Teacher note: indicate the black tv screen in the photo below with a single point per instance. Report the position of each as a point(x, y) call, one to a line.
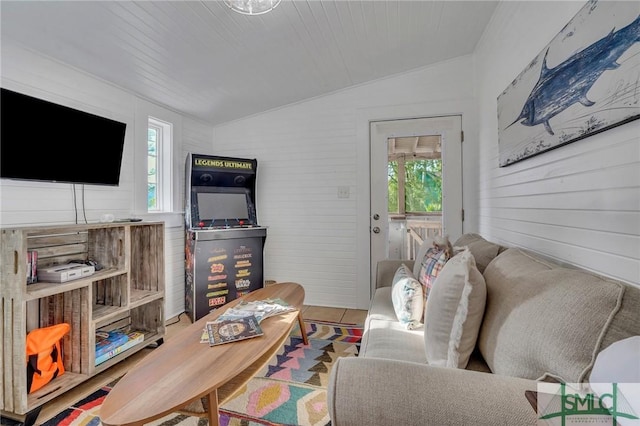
point(44, 141)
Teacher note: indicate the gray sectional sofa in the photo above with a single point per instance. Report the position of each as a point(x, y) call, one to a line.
point(540, 320)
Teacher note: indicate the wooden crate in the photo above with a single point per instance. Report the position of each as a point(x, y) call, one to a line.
point(118, 293)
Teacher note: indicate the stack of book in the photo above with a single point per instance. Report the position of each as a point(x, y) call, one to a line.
point(111, 343)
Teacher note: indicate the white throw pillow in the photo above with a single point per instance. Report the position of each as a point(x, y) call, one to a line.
point(454, 312)
point(407, 298)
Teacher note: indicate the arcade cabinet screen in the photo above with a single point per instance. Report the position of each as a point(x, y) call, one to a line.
point(221, 206)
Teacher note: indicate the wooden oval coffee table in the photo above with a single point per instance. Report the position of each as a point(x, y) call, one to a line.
point(182, 370)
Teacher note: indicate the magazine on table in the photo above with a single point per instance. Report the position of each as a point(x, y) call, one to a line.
point(233, 329)
point(260, 309)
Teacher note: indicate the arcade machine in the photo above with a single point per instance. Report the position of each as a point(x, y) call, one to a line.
point(224, 244)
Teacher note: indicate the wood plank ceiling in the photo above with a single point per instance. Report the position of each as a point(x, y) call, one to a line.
point(200, 58)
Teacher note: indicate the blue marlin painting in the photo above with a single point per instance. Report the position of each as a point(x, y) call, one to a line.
point(593, 83)
point(562, 86)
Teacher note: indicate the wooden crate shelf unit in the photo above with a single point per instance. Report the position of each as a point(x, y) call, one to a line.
point(127, 292)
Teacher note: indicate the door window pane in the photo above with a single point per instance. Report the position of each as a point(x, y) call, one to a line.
point(423, 186)
point(392, 171)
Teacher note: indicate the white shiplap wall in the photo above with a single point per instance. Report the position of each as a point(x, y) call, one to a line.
point(48, 203)
point(308, 150)
point(39, 203)
point(579, 203)
point(196, 137)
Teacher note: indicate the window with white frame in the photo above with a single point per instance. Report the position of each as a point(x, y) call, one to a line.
point(159, 147)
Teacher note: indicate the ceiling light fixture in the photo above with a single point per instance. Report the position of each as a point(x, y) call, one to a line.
point(252, 7)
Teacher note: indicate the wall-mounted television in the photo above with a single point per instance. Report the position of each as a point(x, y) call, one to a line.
point(44, 141)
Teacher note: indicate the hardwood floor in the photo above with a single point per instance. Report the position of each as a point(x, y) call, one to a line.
point(174, 325)
point(345, 316)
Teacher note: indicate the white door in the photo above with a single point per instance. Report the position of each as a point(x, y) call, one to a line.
point(449, 128)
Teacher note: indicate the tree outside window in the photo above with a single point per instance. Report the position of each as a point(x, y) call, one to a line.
point(421, 183)
point(152, 168)
point(159, 165)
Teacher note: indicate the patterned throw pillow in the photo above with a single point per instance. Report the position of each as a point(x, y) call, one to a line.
point(426, 245)
point(407, 298)
point(432, 263)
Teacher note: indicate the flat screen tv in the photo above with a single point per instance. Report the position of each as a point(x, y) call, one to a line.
point(44, 141)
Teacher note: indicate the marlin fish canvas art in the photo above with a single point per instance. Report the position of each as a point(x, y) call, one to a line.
point(585, 81)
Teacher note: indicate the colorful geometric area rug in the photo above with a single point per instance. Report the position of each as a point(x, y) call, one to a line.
point(290, 390)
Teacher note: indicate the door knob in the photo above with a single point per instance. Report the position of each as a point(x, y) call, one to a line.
point(376, 230)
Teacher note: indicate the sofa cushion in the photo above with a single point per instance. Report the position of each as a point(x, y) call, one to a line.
point(626, 322)
point(407, 298)
point(542, 319)
point(389, 339)
point(483, 251)
point(385, 337)
point(381, 307)
point(454, 312)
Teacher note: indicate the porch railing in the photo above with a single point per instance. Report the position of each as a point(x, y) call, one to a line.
point(420, 229)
